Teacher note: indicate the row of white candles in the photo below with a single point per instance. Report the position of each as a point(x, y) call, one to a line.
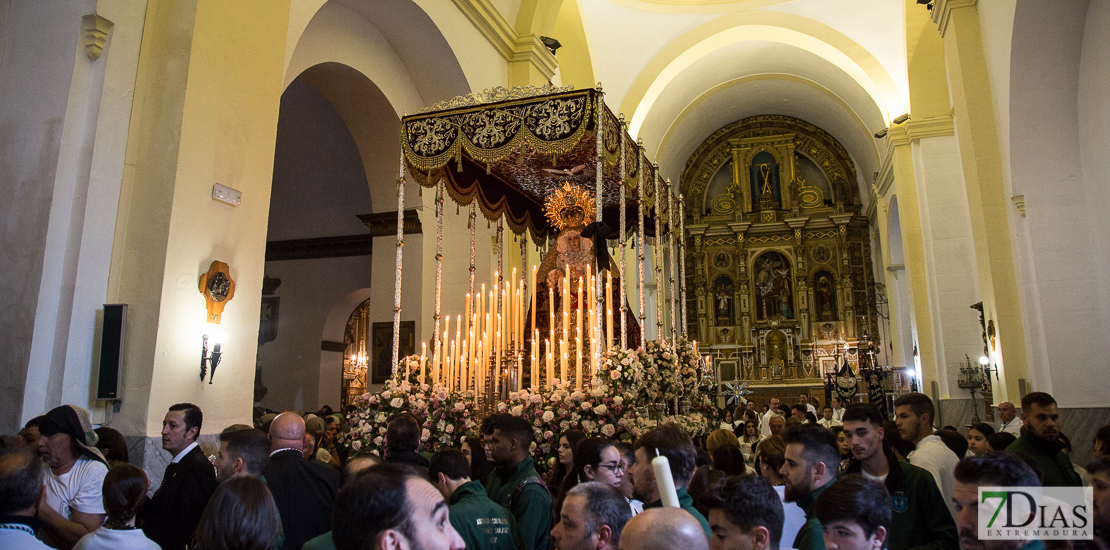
point(491, 328)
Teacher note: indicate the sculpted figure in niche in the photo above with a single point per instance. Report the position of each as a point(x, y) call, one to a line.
point(723, 301)
point(773, 288)
point(826, 297)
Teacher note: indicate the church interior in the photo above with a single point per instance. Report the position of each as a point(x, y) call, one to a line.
point(847, 187)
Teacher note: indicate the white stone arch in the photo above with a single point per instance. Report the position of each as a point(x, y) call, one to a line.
point(331, 363)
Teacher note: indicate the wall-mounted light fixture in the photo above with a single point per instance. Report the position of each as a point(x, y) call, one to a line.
point(216, 337)
point(218, 288)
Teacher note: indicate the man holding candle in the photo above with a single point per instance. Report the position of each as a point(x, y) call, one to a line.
point(672, 444)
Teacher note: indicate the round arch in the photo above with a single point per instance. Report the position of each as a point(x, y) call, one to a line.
point(757, 25)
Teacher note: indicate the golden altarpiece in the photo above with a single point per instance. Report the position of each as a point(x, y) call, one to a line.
point(780, 270)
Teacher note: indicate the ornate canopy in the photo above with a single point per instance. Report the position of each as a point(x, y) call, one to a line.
point(512, 148)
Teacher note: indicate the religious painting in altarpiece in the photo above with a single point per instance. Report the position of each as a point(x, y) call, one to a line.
point(779, 263)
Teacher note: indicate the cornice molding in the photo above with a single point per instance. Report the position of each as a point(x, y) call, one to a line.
point(95, 30)
point(930, 127)
point(384, 224)
point(942, 12)
point(503, 37)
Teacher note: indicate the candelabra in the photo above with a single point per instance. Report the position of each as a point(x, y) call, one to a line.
point(972, 379)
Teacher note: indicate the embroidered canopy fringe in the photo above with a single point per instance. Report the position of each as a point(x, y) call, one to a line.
point(510, 154)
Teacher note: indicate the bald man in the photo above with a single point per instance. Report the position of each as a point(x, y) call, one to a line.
point(1008, 419)
point(303, 490)
point(663, 529)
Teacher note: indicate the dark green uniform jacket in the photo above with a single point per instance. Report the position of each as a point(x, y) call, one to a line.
point(920, 517)
point(481, 522)
point(811, 536)
point(531, 507)
point(322, 542)
point(1049, 457)
point(686, 502)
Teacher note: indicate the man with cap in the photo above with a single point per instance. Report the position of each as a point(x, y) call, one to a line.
point(72, 504)
point(172, 514)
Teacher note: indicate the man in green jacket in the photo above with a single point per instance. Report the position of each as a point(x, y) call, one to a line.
point(920, 517)
point(1040, 442)
point(515, 484)
point(480, 522)
point(811, 461)
point(675, 444)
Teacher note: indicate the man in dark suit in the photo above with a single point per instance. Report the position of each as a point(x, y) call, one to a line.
point(303, 491)
point(172, 514)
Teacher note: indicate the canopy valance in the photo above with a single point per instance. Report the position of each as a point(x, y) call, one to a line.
point(510, 149)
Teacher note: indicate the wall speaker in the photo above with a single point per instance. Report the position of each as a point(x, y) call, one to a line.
point(111, 352)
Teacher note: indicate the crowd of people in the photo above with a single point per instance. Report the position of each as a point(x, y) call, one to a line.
point(786, 477)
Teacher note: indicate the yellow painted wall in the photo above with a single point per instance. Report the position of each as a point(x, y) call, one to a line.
point(206, 107)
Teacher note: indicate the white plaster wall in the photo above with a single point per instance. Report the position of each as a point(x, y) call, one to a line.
point(1063, 262)
point(951, 273)
point(65, 119)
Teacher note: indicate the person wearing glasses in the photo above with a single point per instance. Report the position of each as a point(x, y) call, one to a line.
point(595, 459)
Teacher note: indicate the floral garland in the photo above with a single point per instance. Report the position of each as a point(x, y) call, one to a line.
point(444, 416)
point(622, 374)
point(605, 407)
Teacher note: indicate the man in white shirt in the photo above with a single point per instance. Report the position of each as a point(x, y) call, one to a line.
point(914, 414)
point(803, 398)
point(1010, 422)
point(765, 423)
point(827, 420)
point(74, 477)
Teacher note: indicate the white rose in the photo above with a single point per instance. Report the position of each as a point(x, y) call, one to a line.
point(516, 411)
point(618, 400)
point(450, 428)
point(356, 445)
point(548, 415)
point(608, 430)
point(601, 409)
point(397, 402)
point(378, 441)
point(425, 434)
point(586, 406)
point(548, 434)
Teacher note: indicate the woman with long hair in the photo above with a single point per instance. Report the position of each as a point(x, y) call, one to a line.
point(123, 492)
point(475, 456)
point(748, 442)
point(564, 456)
point(720, 438)
point(241, 515)
point(977, 438)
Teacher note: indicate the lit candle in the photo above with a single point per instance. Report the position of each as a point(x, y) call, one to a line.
point(661, 467)
point(423, 356)
point(578, 361)
point(550, 363)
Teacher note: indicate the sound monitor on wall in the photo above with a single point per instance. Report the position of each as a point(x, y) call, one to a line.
point(111, 352)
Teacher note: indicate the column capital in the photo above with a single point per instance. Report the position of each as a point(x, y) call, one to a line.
point(942, 12)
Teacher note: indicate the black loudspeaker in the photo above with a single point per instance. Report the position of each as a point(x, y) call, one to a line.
point(111, 351)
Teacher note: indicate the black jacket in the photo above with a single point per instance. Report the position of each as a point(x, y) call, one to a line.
point(412, 458)
point(304, 493)
point(172, 514)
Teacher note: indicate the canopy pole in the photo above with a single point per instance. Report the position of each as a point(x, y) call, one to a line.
point(640, 240)
point(620, 241)
point(657, 261)
point(674, 264)
point(599, 292)
point(439, 265)
point(682, 259)
point(473, 228)
point(400, 244)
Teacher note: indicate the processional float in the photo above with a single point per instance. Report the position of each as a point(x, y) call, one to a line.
point(556, 165)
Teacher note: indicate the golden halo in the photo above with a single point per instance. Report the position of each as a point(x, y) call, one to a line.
point(570, 207)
